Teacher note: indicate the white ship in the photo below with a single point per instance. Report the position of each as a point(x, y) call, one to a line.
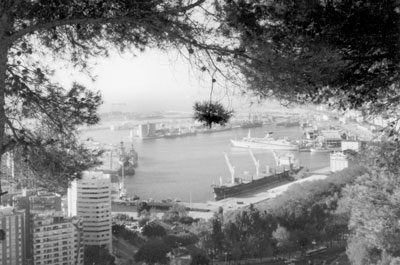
point(265, 143)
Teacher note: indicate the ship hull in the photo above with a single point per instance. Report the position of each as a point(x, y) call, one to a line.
point(180, 135)
point(320, 150)
point(251, 125)
point(289, 124)
point(222, 192)
point(269, 146)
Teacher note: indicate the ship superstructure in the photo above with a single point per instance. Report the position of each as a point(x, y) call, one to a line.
point(266, 142)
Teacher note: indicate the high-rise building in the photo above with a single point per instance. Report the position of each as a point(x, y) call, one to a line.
point(57, 240)
point(90, 198)
point(36, 202)
point(12, 247)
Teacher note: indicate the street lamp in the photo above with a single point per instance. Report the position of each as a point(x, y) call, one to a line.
point(313, 243)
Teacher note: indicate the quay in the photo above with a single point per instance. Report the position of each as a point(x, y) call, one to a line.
point(207, 210)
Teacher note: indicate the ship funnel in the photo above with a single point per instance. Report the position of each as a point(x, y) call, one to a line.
point(231, 168)
point(256, 162)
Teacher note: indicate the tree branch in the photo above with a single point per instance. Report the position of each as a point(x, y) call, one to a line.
point(98, 20)
point(188, 7)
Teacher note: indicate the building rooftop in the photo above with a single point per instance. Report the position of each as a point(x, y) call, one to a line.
point(94, 175)
point(338, 155)
point(331, 134)
point(53, 218)
point(7, 210)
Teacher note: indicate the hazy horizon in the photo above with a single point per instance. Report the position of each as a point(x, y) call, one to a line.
point(152, 81)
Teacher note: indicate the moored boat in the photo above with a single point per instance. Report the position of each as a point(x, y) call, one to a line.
point(268, 182)
point(265, 143)
point(239, 186)
point(289, 124)
point(320, 150)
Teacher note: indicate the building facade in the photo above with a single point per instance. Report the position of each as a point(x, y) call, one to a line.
point(57, 240)
point(12, 247)
point(338, 161)
point(36, 202)
point(90, 198)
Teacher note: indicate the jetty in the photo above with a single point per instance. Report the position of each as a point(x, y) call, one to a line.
point(206, 210)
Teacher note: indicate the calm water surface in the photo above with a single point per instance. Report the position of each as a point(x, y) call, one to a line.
point(186, 167)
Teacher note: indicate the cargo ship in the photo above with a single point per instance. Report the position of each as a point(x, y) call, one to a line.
point(239, 186)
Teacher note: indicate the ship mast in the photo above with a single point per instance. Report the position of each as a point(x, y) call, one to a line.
point(122, 158)
point(256, 162)
point(231, 168)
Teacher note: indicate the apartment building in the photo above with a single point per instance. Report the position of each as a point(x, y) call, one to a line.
point(90, 198)
point(12, 228)
point(35, 202)
point(57, 240)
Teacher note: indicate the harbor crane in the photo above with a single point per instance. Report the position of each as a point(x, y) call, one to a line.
point(231, 168)
point(256, 162)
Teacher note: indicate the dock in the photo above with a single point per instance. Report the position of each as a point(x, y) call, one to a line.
point(206, 210)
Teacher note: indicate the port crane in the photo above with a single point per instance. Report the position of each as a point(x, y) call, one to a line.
point(231, 168)
point(256, 162)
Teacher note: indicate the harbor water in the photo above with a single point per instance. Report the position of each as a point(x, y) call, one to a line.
point(184, 168)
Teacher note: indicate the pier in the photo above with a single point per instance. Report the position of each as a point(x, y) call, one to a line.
point(206, 210)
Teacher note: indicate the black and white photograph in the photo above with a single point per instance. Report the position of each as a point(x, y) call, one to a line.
point(199, 132)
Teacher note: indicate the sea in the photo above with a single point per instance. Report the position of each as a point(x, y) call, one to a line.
point(185, 168)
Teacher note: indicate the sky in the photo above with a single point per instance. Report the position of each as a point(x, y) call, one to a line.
point(150, 81)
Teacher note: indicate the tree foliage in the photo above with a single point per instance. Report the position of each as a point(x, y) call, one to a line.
point(199, 258)
point(175, 213)
point(153, 230)
point(282, 236)
point(152, 252)
point(202, 230)
point(210, 113)
point(182, 239)
point(249, 234)
point(40, 117)
point(372, 202)
point(340, 52)
point(98, 255)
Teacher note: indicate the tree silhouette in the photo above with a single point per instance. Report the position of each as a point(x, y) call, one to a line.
point(211, 113)
point(39, 117)
point(343, 53)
